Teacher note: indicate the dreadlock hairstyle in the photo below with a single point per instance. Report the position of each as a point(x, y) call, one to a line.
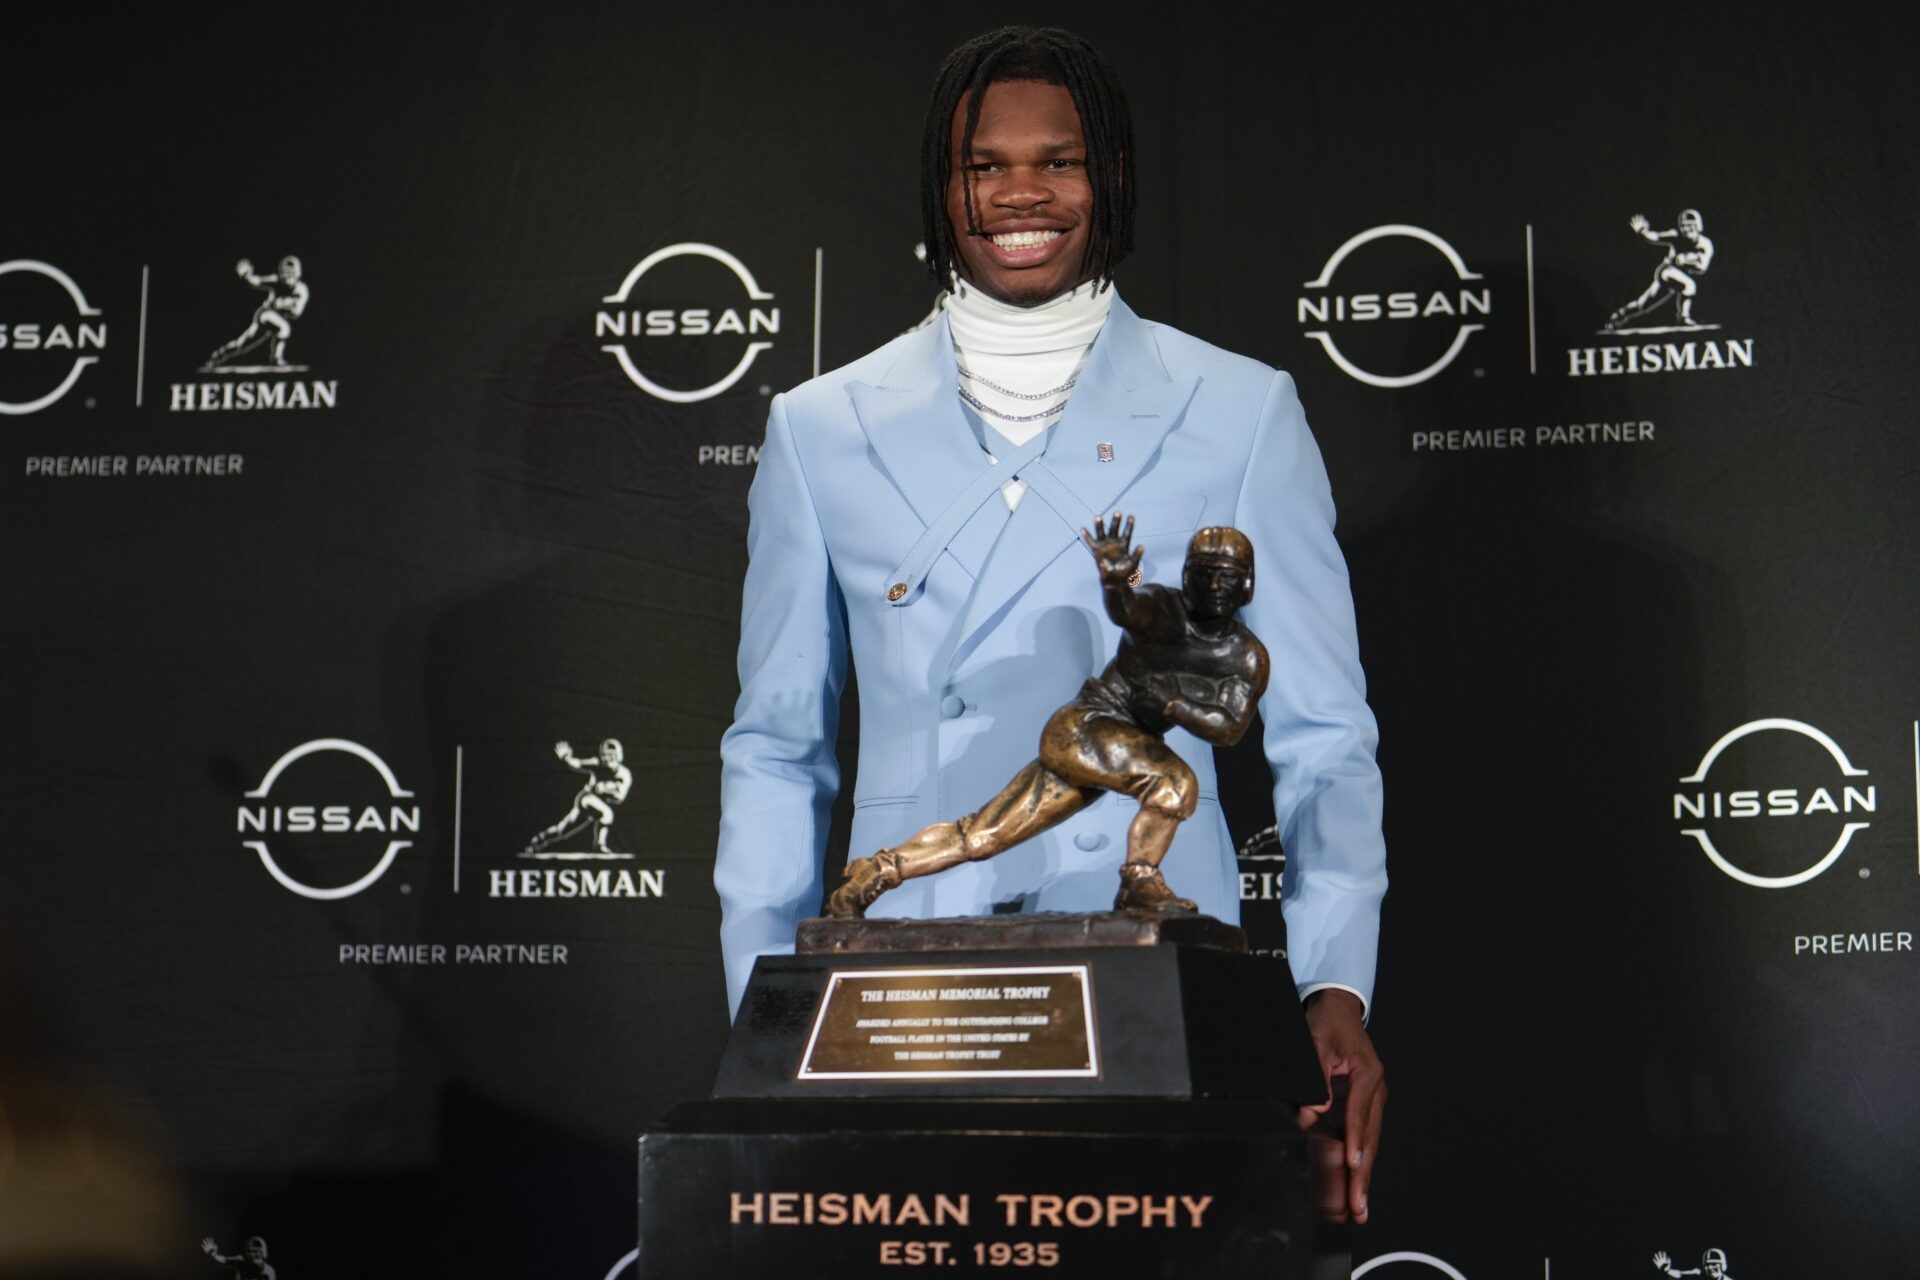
point(1052, 56)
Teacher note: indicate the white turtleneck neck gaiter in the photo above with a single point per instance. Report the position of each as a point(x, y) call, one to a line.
point(1018, 364)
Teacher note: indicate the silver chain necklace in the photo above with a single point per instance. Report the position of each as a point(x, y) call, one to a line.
point(992, 412)
point(1060, 390)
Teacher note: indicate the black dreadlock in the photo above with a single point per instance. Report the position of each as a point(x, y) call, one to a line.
point(1052, 56)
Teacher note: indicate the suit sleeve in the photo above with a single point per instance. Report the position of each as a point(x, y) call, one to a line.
point(778, 772)
point(1320, 734)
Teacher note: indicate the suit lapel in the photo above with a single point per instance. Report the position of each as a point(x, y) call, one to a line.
point(1124, 399)
point(914, 422)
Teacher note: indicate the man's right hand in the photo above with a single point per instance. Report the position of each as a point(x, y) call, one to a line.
point(1110, 550)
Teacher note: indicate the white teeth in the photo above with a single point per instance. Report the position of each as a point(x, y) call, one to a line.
point(1024, 239)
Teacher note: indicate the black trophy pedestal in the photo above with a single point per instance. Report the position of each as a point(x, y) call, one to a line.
point(1107, 1096)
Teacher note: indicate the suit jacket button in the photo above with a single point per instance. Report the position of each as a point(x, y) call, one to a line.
point(951, 706)
point(897, 590)
point(1089, 841)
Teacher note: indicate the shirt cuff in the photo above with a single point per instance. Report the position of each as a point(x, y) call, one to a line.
point(1365, 1008)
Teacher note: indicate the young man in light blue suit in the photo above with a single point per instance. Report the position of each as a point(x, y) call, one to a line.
point(919, 510)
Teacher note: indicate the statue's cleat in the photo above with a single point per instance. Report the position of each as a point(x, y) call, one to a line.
point(1143, 888)
point(865, 879)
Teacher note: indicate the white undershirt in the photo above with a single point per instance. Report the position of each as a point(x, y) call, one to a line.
point(1031, 350)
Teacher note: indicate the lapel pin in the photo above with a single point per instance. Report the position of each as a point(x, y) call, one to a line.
point(1106, 452)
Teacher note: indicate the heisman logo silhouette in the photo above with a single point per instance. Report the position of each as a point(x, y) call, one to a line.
point(1713, 1265)
point(1689, 254)
point(608, 782)
point(249, 1264)
point(286, 300)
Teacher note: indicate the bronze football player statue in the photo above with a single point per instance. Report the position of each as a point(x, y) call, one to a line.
point(1185, 659)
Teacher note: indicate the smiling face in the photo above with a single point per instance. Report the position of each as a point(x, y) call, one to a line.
point(1032, 201)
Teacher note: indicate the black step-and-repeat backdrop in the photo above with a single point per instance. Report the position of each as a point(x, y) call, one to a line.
point(379, 392)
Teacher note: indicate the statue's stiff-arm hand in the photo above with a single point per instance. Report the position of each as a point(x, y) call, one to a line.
point(1111, 550)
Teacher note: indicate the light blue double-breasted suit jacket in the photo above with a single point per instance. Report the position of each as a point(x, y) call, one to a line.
point(873, 475)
